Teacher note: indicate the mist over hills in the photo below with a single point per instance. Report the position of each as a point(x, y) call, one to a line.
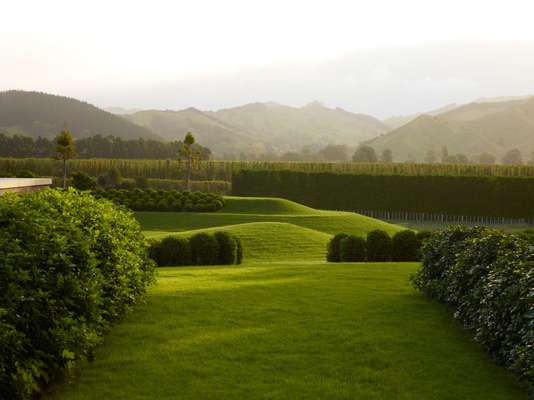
point(493, 127)
point(263, 127)
point(39, 114)
point(487, 125)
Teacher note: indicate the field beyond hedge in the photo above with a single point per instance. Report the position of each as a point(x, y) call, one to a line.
point(290, 330)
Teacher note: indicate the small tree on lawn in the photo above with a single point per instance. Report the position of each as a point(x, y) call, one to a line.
point(65, 150)
point(190, 154)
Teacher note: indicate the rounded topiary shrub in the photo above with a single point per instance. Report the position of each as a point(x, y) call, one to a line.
point(170, 251)
point(227, 248)
point(379, 246)
point(204, 249)
point(333, 248)
point(352, 249)
point(404, 246)
point(70, 264)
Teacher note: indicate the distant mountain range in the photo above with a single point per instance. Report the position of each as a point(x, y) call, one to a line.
point(485, 126)
point(493, 127)
point(263, 127)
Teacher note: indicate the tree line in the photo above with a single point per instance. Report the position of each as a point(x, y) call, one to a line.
point(97, 146)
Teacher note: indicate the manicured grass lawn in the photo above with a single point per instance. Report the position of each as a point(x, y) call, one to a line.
point(271, 241)
point(290, 331)
point(241, 210)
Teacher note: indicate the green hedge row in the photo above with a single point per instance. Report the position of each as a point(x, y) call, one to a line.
point(220, 248)
point(378, 246)
point(70, 265)
point(163, 200)
point(455, 195)
point(487, 278)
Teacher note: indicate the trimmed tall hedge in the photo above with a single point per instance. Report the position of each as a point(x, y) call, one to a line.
point(487, 278)
point(495, 196)
point(220, 248)
point(70, 265)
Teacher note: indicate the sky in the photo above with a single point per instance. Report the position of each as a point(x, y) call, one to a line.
point(377, 57)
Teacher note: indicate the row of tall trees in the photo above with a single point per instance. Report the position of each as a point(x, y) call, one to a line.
point(98, 147)
point(64, 148)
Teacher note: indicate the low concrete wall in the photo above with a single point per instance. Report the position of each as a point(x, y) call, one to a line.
point(23, 184)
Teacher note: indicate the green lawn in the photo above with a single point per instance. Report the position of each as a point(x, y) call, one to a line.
point(241, 210)
point(290, 331)
point(286, 325)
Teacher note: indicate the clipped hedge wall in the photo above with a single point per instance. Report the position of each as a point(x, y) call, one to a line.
point(495, 196)
point(219, 248)
point(163, 200)
point(70, 265)
point(487, 278)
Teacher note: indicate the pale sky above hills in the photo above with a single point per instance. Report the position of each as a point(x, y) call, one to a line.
point(380, 57)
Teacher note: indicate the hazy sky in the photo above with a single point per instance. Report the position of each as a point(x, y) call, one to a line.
point(379, 57)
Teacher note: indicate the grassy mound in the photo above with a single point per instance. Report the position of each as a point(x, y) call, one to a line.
point(286, 331)
point(271, 241)
point(264, 205)
point(270, 228)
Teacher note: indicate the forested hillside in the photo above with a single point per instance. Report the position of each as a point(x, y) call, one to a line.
point(39, 114)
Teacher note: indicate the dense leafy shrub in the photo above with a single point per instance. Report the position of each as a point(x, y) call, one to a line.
point(439, 254)
point(227, 248)
point(163, 200)
point(379, 246)
point(333, 248)
point(421, 237)
point(204, 249)
point(69, 266)
point(82, 181)
point(487, 277)
point(404, 246)
point(171, 250)
point(352, 248)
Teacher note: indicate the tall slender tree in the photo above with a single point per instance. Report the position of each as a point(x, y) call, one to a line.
point(190, 154)
point(65, 150)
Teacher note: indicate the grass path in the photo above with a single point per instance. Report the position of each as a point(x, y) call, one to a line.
point(290, 331)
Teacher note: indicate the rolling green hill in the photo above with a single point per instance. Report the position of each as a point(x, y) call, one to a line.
point(40, 114)
point(262, 127)
point(493, 127)
point(271, 229)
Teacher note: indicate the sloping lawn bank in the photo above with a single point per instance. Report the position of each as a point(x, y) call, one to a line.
point(304, 330)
